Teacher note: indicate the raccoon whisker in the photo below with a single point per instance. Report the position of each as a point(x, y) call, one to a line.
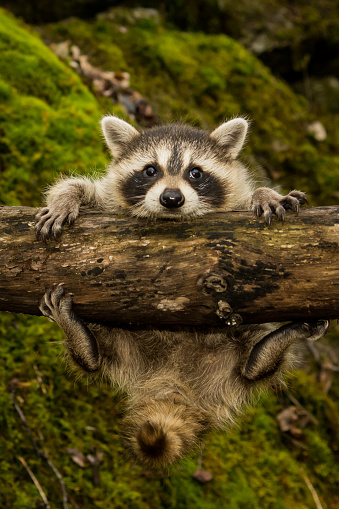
point(135, 206)
point(140, 210)
point(139, 197)
point(138, 204)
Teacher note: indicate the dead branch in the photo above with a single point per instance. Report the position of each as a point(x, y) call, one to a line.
point(220, 268)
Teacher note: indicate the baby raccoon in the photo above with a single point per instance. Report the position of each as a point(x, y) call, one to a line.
point(179, 383)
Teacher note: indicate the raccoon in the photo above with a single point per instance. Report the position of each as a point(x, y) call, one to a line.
point(181, 383)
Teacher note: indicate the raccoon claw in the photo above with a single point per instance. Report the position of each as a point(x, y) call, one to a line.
point(301, 197)
point(56, 303)
point(267, 202)
point(49, 222)
point(316, 330)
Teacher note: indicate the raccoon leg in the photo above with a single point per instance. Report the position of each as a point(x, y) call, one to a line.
point(268, 354)
point(268, 202)
point(63, 203)
point(81, 343)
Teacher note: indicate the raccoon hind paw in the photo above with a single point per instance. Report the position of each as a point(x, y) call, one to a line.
point(56, 302)
point(316, 330)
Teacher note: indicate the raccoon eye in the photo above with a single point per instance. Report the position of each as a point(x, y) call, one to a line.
point(196, 173)
point(150, 171)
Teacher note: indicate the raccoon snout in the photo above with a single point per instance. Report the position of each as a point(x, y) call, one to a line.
point(172, 198)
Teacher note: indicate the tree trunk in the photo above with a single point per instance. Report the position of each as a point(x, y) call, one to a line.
point(226, 267)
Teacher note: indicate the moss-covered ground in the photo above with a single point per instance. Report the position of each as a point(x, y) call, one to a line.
point(49, 123)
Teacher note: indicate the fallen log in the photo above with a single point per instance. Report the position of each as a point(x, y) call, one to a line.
point(226, 267)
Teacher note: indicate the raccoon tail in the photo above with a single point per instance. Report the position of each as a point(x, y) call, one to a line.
point(163, 431)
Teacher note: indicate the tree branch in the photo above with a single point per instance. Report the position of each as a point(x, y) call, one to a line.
point(163, 273)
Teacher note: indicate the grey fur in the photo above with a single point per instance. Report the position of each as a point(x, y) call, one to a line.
point(179, 384)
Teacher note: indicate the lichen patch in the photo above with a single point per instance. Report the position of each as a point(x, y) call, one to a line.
point(178, 304)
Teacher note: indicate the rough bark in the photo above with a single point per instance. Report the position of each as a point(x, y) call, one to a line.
point(162, 273)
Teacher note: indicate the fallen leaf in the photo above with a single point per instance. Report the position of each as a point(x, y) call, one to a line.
point(78, 457)
point(202, 476)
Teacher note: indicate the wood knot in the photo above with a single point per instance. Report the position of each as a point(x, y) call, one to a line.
point(224, 310)
point(214, 282)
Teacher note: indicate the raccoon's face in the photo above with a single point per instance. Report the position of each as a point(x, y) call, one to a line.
point(173, 171)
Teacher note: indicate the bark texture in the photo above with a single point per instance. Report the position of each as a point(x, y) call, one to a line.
point(226, 267)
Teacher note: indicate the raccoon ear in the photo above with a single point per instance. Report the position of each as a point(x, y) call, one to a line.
point(231, 135)
point(118, 134)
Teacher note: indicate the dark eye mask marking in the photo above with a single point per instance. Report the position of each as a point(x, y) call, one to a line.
point(135, 187)
point(207, 186)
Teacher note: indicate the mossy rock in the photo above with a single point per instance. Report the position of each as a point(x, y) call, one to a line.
point(49, 121)
point(203, 79)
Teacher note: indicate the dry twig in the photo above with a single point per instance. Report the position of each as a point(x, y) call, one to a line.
point(39, 378)
point(36, 482)
point(299, 405)
point(38, 451)
point(311, 488)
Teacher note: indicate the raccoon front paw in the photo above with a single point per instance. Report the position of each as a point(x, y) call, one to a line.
point(50, 220)
point(268, 202)
point(56, 304)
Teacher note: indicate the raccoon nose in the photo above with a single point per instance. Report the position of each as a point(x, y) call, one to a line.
point(172, 198)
